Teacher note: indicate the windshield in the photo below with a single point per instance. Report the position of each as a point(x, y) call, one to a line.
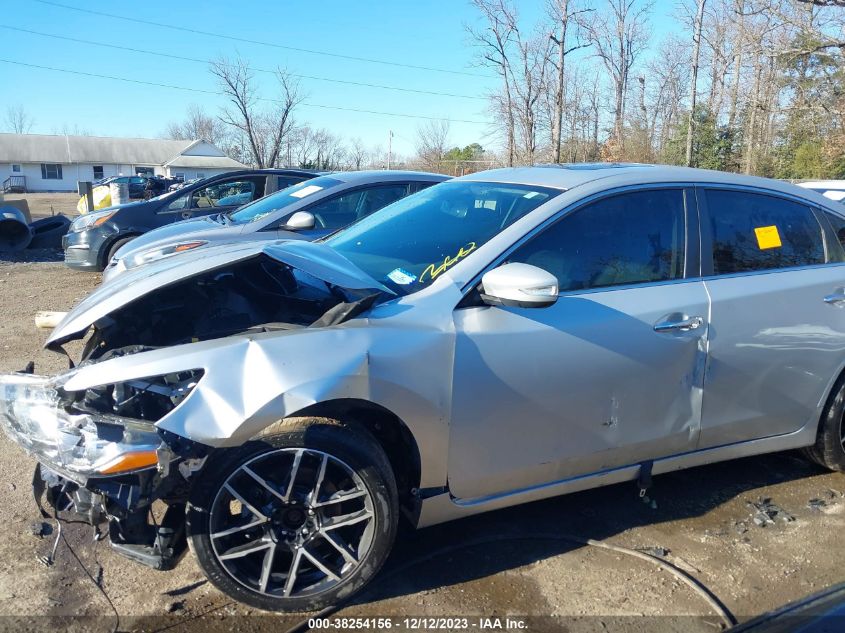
point(409, 243)
point(281, 199)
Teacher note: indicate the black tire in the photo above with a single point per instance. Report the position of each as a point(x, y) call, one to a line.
point(829, 449)
point(48, 232)
point(321, 443)
point(114, 248)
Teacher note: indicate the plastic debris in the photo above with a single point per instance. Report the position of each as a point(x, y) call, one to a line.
point(765, 512)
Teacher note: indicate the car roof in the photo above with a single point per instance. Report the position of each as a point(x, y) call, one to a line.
point(385, 175)
point(567, 176)
point(290, 171)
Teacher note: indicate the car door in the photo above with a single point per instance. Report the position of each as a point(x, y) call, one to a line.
point(775, 278)
point(610, 375)
point(226, 195)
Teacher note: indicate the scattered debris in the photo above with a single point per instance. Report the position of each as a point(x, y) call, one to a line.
point(659, 552)
point(766, 512)
point(40, 529)
point(741, 527)
point(816, 505)
point(175, 605)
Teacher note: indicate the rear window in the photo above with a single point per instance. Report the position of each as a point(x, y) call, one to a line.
point(754, 232)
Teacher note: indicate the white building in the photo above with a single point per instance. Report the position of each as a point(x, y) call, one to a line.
point(41, 162)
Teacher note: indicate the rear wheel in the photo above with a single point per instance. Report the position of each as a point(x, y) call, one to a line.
point(298, 519)
point(829, 449)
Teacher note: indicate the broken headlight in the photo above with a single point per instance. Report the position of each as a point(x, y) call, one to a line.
point(143, 257)
point(89, 433)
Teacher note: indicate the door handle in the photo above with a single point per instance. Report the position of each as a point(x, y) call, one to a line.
point(683, 325)
point(836, 298)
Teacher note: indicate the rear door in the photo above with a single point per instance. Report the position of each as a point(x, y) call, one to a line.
point(775, 278)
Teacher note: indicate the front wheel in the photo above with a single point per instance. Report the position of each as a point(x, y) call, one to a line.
point(298, 519)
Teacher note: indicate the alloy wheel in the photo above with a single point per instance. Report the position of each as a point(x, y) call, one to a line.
point(292, 523)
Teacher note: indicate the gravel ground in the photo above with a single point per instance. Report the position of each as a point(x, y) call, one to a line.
point(499, 564)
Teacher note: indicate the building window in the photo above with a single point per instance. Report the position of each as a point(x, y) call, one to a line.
point(179, 174)
point(199, 174)
point(98, 172)
point(51, 171)
point(16, 169)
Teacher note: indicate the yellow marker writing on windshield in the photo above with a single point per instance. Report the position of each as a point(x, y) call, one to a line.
point(433, 271)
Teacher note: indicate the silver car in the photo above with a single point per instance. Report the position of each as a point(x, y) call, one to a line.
point(495, 339)
point(308, 210)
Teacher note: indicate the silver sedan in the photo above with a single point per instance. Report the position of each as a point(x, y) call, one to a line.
point(495, 339)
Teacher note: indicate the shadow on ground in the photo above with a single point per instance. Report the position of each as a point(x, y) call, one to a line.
point(506, 538)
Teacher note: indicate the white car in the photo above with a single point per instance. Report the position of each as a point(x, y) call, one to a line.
point(833, 189)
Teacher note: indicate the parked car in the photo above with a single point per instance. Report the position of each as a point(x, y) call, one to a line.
point(498, 338)
point(94, 238)
point(309, 210)
point(833, 189)
point(135, 184)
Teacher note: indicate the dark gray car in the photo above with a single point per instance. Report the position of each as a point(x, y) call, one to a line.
point(309, 210)
point(93, 238)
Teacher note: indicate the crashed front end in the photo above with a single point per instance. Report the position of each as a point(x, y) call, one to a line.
point(122, 432)
point(100, 459)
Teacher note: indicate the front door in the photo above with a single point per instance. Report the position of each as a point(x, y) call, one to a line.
point(610, 375)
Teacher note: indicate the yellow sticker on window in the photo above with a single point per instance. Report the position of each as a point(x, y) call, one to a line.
point(767, 237)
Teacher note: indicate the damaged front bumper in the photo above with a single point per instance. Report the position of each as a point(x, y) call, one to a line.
point(79, 445)
point(102, 467)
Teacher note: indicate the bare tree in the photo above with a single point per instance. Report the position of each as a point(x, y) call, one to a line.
point(562, 13)
point(199, 125)
point(494, 42)
point(619, 34)
point(358, 153)
point(17, 119)
point(265, 129)
point(432, 142)
point(696, 38)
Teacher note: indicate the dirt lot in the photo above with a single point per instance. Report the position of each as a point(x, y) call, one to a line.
point(498, 564)
point(42, 205)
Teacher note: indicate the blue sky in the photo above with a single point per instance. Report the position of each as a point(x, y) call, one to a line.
point(427, 33)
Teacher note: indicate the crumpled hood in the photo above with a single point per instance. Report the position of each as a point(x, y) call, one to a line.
point(316, 259)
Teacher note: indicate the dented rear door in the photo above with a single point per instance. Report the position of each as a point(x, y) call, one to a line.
point(607, 376)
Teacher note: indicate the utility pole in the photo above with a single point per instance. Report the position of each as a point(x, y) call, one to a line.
point(389, 147)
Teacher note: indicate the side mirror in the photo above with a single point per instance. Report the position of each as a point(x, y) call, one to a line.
point(299, 221)
point(519, 286)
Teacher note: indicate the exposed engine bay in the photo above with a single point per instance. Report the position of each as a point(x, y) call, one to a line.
point(103, 459)
point(259, 294)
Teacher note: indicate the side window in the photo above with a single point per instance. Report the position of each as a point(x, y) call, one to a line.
point(224, 194)
point(286, 181)
point(759, 232)
point(837, 223)
point(179, 203)
point(377, 197)
point(337, 211)
point(630, 238)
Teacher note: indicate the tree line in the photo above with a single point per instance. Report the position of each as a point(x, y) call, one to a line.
point(754, 86)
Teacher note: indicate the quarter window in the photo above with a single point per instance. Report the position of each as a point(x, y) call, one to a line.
point(753, 232)
point(630, 238)
point(51, 171)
